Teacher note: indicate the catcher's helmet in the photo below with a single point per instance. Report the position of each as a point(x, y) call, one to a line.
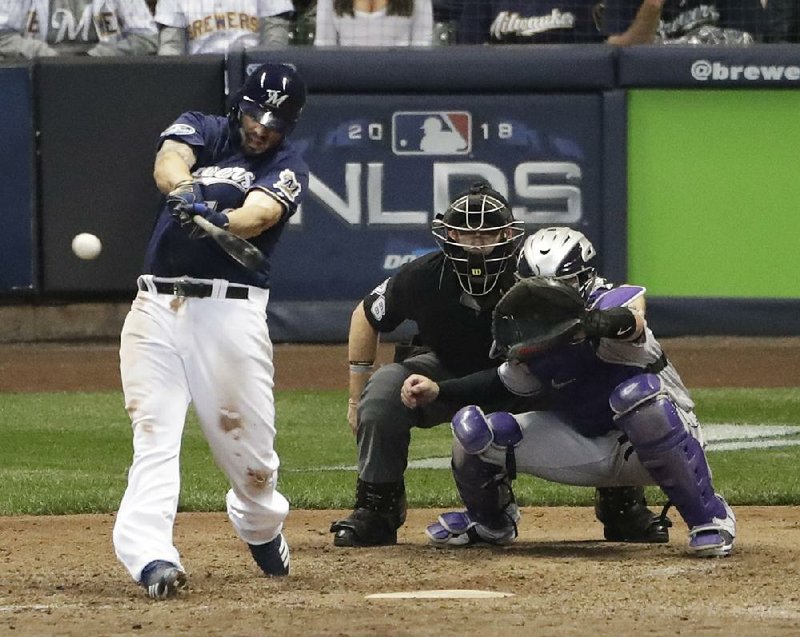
point(479, 236)
point(273, 95)
point(560, 253)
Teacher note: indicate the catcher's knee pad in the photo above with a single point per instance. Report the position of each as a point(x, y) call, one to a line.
point(644, 411)
point(476, 431)
point(672, 456)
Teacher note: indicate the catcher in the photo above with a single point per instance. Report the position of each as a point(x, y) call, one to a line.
point(621, 415)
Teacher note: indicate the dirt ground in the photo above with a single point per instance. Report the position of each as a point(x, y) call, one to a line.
point(58, 575)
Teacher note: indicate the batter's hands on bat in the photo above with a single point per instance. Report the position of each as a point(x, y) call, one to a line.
point(418, 391)
point(180, 200)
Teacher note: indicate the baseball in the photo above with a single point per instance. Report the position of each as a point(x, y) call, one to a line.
point(86, 246)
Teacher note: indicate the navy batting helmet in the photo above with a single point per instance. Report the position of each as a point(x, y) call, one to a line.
point(273, 95)
point(479, 236)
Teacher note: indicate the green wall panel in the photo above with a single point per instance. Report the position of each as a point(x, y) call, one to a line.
point(714, 192)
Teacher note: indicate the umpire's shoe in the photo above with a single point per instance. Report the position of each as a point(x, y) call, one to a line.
point(626, 518)
point(380, 510)
point(162, 579)
point(273, 557)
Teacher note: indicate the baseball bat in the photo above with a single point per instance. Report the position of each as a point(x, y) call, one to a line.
point(240, 249)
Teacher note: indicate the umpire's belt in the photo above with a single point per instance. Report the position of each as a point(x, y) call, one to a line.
point(194, 289)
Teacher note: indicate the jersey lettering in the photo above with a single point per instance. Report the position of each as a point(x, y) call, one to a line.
point(64, 22)
point(512, 23)
point(228, 21)
point(32, 23)
point(232, 175)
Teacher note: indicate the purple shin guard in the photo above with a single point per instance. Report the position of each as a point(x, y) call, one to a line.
point(484, 487)
point(674, 459)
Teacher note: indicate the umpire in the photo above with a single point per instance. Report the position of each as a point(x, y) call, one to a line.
point(450, 295)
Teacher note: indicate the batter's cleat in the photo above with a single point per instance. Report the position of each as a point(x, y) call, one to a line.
point(273, 557)
point(626, 518)
point(716, 538)
point(162, 579)
point(457, 528)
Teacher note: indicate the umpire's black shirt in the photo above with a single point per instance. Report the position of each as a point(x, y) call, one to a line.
point(427, 292)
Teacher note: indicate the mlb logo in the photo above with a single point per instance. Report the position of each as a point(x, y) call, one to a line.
point(432, 133)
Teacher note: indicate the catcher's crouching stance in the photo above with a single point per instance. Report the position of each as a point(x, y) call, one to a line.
point(621, 415)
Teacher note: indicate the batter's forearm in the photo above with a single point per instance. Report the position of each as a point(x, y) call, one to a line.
point(259, 212)
point(172, 166)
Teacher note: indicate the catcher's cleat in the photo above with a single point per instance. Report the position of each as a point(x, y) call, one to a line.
point(162, 579)
point(626, 518)
point(273, 557)
point(716, 538)
point(380, 510)
point(457, 528)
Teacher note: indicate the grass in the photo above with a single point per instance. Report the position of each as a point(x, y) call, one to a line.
point(69, 453)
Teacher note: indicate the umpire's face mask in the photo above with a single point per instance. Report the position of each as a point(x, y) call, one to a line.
point(478, 242)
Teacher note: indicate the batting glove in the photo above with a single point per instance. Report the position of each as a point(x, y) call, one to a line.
point(181, 198)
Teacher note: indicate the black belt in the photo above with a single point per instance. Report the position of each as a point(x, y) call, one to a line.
point(194, 289)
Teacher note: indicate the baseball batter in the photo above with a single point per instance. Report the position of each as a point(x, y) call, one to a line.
point(214, 26)
point(197, 330)
point(44, 28)
point(619, 413)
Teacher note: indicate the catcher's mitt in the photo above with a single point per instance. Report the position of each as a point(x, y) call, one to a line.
point(535, 315)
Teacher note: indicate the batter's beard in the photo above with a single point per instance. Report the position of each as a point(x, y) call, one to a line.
point(249, 151)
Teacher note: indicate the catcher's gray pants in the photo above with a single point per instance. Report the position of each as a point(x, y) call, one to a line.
point(551, 449)
point(384, 429)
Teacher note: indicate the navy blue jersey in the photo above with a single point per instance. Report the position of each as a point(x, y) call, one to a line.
point(226, 176)
point(530, 22)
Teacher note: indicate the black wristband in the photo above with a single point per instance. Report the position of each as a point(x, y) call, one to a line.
point(615, 322)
